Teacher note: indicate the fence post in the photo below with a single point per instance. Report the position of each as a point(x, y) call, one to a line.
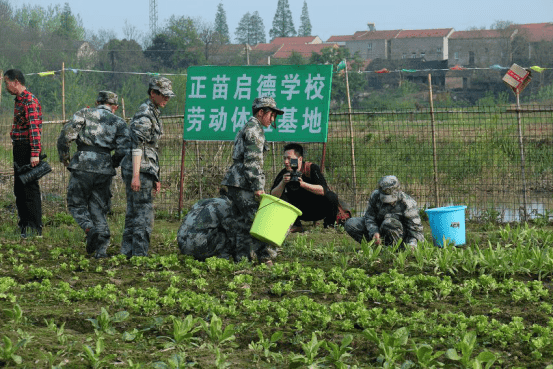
point(1, 78)
point(352, 141)
point(63, 91)
point(522, 161)
point(437, 191)
point(123, 106)
point(181, 184)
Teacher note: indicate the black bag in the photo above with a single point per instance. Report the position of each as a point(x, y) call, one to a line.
point(28, 174)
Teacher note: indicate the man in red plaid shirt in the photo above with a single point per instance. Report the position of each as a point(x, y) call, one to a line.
point(25, 135)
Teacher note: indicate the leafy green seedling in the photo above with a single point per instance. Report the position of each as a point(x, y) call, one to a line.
point(183, 331)
point(310, 350)
point(391, 346)
point(103, 323)
point(264, 346)
point(426, 356)
point(15, 315)
point(7, 351)
point(216, 334)
point(337, 354)
point(467, 346)
point(94, 357)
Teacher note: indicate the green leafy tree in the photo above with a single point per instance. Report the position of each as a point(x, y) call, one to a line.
point(283, 25)
point(243, 33)
point(221, 26)
point(305, 26)
point(258, 29)
point(70, 26)
point(177, 46)
point(250, 29)
point(209, 37)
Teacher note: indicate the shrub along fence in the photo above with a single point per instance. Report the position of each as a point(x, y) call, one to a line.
point(476, 161)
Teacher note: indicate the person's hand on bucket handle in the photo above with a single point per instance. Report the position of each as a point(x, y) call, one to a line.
point(376, 239)
point(257, 195)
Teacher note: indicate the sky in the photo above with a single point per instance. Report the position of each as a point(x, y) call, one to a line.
point(328, 17)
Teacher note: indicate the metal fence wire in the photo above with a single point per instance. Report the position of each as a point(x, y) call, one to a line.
point(477, 155)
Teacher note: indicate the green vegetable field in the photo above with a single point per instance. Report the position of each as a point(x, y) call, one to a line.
point(327, 302)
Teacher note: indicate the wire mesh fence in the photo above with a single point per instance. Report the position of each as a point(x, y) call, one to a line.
point(478, 160)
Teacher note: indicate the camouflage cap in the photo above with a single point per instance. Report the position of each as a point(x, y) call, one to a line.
point(107, 97)
point(266, 102)
point(163, 85)
point(389, 188)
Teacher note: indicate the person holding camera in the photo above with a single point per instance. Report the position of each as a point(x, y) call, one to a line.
point(245, 179)
point(26, 140)
point(97, 131)
point(302, 184)
point(391, 215)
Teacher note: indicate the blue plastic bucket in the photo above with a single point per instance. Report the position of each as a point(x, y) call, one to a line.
point(447, 223)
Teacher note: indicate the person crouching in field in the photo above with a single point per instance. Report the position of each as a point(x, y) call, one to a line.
point(97, 132)
point(391, 215)
point(140, 169)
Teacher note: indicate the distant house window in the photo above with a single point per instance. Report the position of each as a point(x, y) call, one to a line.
point(404, 56)
point(456, 55)
point(487, 50)
point(413, 56)
point(439, 50)
point(370, 47)
point(423, 54)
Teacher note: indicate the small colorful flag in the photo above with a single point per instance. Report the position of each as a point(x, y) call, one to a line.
point(383, 70)
point(497, 67)
point(457, 67)
point(50, 73)
point(409, 70)
point(341, 65)
point(537, 68)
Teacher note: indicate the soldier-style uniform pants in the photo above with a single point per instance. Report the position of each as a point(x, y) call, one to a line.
point(139, 220)
point(89, 201)
point(391, 230)
point(245, 208)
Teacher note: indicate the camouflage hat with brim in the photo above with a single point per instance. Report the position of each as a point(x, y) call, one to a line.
point(163, 85)
point(107, 97)
point(266, 102)
point(389, 188)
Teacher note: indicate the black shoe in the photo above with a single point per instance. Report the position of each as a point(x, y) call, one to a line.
point(91, 240)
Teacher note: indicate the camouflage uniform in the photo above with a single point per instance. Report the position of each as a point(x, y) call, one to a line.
point(97, 132)
point(391, 213)
point(207, 229)
point(244, 178)
point(145, 131)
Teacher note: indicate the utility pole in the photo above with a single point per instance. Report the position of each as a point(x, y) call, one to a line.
point(153, 18)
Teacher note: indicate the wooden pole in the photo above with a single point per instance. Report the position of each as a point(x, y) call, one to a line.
point(1, 83)
point(181, 184)
point(522, 160)
point(123, 106)
point(354, 174)
point(274, 157)
point(63, 91)
point(434, 154)
point(200, 176)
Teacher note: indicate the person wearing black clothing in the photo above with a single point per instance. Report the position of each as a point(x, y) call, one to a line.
point(309, 193)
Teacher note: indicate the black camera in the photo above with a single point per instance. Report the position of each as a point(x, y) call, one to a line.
point(295, 176)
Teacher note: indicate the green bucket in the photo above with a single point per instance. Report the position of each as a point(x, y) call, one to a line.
point(273, 219)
